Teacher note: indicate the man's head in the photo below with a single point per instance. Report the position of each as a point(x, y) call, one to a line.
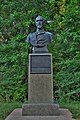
point(39, 22)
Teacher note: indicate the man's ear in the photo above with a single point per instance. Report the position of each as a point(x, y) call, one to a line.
point(44, 22)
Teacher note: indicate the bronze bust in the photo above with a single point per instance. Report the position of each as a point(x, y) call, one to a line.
point(39, 39)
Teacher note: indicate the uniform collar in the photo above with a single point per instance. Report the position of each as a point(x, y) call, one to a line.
point(40, 32)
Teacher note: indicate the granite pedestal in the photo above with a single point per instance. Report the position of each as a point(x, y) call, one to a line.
point(40, 81)
point(40, 93)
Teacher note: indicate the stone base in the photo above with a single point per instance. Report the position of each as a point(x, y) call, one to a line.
point(17, 115)
point(40, 109)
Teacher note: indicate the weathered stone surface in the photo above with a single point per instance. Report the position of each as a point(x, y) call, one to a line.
point(37, 118)
point(45, 110)
point(17, 115)
point(66, 113)
point(40, 88)
point(40, 109)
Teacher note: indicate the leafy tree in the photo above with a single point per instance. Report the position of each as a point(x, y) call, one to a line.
point(67, 53)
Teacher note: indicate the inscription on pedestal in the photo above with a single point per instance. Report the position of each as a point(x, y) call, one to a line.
point(40, 64)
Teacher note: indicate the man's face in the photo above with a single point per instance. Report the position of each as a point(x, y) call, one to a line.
point(39, 22)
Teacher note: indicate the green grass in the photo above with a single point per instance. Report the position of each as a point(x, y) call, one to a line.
point(7, 108)
point(73, 106)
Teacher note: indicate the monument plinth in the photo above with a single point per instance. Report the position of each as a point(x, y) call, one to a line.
point(40, 78)
point(40, 104)
point(40, 86)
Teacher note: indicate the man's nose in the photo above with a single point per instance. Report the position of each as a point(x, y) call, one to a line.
point(38, 21)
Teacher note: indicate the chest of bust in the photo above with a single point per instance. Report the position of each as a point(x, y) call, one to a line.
point(39, 38)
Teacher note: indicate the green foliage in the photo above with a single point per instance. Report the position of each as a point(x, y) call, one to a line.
point(7, 108)
point(14, 60)
point(73, 106)
point(16, 21)
point(67, 54)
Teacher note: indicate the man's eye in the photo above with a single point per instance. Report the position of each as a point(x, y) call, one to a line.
point(39, 20)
